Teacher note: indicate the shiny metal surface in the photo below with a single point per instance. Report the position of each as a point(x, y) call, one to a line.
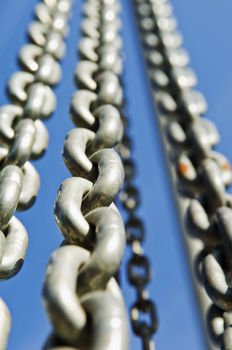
point(24, 137)
point(81, 296)
point(200, 177)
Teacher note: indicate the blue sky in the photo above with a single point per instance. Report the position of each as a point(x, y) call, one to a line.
point(207, 28)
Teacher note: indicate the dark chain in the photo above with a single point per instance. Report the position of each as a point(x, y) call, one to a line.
point(143, 313)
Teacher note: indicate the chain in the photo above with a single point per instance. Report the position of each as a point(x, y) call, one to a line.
point(23, 135)
point(81, 295)
point(139, 272)
point(201, 175)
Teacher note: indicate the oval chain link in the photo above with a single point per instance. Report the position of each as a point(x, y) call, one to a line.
point(143, 312)
point(81, 295)
point(203, 175)
point(23, 135)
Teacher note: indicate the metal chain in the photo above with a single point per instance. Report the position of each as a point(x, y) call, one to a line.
point(24, 137)
point(200, 175)
point(143, 313)
point(81, 295)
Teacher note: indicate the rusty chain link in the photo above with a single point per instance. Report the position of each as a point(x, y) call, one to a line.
point(201, 175)
point(81, 295)
point(23, 135)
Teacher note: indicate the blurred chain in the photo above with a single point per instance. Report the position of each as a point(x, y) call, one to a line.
point(23, 136)
point(139, 272)
point(201, 174)
point(81, 295)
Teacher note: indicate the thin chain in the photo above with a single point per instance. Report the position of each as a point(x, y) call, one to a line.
point(200, 174)
point(24, 137)
point(82, 298)
point(143, 313)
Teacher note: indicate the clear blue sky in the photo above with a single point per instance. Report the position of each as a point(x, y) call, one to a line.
point(207, 27)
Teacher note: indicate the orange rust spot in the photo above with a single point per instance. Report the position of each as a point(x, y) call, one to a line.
point(226, 166)
point(183, 168)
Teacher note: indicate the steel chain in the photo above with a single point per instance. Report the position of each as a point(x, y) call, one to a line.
point(143, 313)
point(81, 295)
point(23, 135)
point(203, 175)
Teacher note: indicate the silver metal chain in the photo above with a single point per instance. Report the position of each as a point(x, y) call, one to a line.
point(81, 295)
point(23, 135)
point(200, 175)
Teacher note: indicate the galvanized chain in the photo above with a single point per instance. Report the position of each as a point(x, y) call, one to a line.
point(23, 135)
point(201, 175)
point(81, 295)
point(144, 320)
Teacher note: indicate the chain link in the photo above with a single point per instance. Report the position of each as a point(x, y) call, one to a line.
point(201, 175)
point(24, 137)
point(143, 313)
point(81, 295)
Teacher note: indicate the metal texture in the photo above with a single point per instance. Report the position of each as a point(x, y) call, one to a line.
point(24, 137)
point(200, 175)
point(143, 314)
point(81, 295)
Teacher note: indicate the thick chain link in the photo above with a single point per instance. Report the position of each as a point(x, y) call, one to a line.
point(81, 295)
point(143, 313)
point(23, 136)
point(201, 174)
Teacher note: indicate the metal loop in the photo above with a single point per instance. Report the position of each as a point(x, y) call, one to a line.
point(11, 179)
point(108, 227)
point(49, 71)
point(141, 328)
point(30, 186)
point(37, 32)
point(109, 90)
point(60, 298)
point(41, 101)
point(59, 23)
point(74, 150)
point(41, 140)
point(29, 55)
point(108, 319)
point(87, 49)
point(84, 75)
point(68, 214)
point(55, 45)
point(130, 197)
point(5, 324)
point(204, 136)
point(201, 225)
point(138, 270)
point(21, 149)
point(18, 84)
point(214, 187)
point(43, 13)
point(109, 180)
point(177, 134)
point(178, 57)
point(109, 58)
point(16, 243)
point(135, 230)
point(184, 78)
point(110, 129)
point(217, 282)
point(9, 115)
point(89, 27)
point(194, 103)
point(80, 107)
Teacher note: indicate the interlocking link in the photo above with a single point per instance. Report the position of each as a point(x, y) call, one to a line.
point(200, 175)
point(143, 312)
point(81, 295)
point(24, 137)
